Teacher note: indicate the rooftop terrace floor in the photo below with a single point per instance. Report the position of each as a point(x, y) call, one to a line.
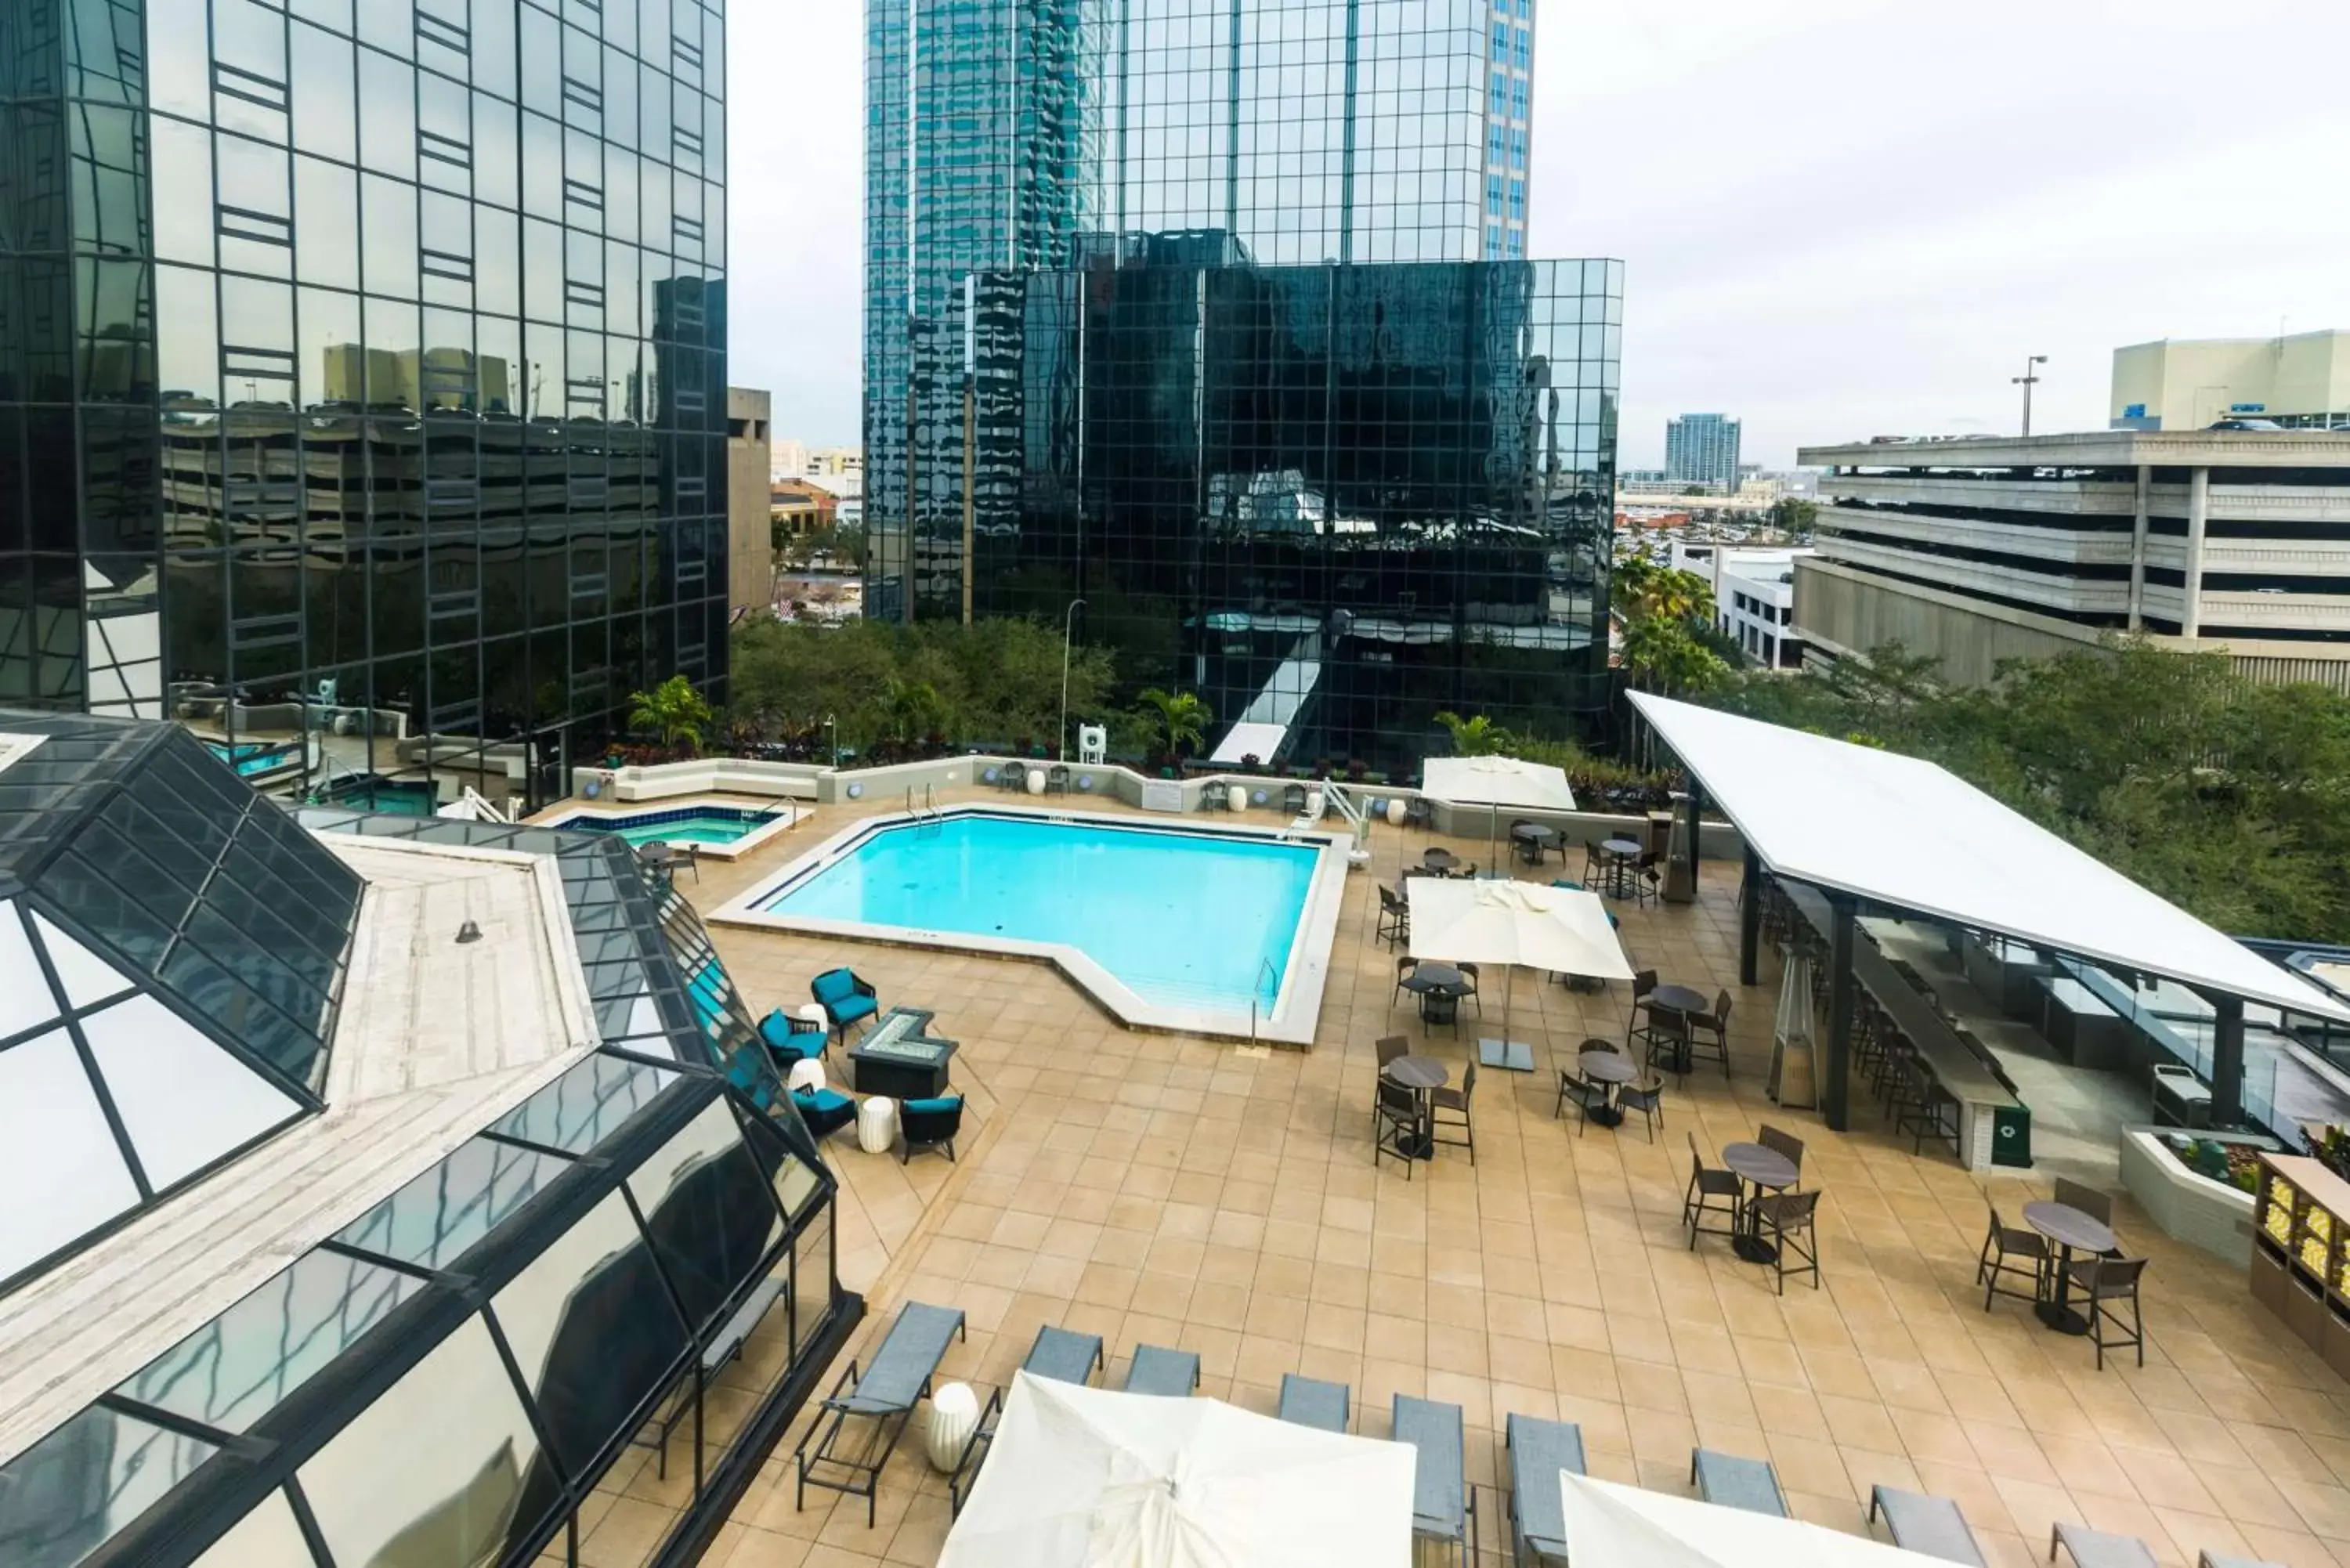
point(1196, 1194)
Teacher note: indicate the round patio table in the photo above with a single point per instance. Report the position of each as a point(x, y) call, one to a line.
point(1439, 859)
point(1438, 983)
point(1619, 854)
point(1684, 1004)
point(1536, 837)
point(1420, 1074)
point(1609, 1069)
point(1766, 1169)
point(2071, 1229)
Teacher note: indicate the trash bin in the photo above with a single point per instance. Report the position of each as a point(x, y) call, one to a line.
point(2011, 1135)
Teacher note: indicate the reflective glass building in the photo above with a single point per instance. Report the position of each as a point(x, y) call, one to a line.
point(1333, 501)
point(999, 133)
point(362, 369)
point(282, 1288)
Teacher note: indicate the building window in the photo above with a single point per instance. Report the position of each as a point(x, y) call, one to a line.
point(1493, 144)
point(1517, 149)
point(1518, 99)
point(1521, 50)
point(1493, 239)
point(1501, 43)
point(1518, 200)
point(1501, 97)
point(1493, 195)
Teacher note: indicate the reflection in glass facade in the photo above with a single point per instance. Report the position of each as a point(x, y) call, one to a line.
point(1332, 500)
point(1001, 134)
point(361, 371)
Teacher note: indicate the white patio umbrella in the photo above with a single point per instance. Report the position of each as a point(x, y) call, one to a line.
point(1560, 929)
point(1085, 1476)
point(1496, 783)
point(1615, 1526)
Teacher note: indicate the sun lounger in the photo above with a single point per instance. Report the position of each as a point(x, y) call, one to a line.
point(885, 1392)
point(1539, 1449)
point(2099, 1548)
point(2210, 1559)
point(1310, 1402)
point(1065, 1356)
point(1922, 1523)
point(1736, 1482)
point(1172, 1373)
point(1438, 1508)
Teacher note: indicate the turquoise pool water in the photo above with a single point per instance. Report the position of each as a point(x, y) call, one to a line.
point(1187, 919)
point(693, 824)
point(251, 757)
point(390, 798)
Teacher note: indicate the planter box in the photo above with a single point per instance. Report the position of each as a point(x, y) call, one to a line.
point(2336, 1342)
point(2269, 1280)
point(2186, 1205)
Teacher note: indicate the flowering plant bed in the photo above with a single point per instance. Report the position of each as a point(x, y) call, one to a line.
point(2237, 1164)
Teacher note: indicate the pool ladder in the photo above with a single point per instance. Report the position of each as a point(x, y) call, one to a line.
point(1265, 969)
point(925, 810)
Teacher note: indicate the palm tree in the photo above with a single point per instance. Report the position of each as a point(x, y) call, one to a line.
point(673, 710)
point(1476, 737)
point(1185, 716)
point(914, 707)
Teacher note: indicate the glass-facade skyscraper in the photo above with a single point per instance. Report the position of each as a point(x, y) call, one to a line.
point(1702, 449)
point(362, 371)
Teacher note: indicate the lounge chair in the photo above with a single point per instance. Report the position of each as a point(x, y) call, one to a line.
point(1539, 1449)
point(1310, 1402)
point(1737, 1483)
point(1170, 1373)
point(1058, 1354)
point(929, 1124)
point(1931, 1525)
point(1442, 1504)
point(2207, 1558)
point(2099, 1548)
point(884, 1393)
point(845, 997)
point(825, 1111)
point(790, 1038)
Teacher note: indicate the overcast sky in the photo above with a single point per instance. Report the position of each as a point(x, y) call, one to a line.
point(1840, 218)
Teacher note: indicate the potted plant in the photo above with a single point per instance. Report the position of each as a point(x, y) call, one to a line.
point(1249, 763)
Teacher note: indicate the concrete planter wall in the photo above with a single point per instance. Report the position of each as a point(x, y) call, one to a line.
point(2187, 1207)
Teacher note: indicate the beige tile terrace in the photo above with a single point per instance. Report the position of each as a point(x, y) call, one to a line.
point(1185, 1192)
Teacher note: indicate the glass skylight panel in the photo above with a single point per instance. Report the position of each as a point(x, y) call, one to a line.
point(88, 979)
point(61, 1172)
point(266, 1538)
point(239, 1366)
point(708, 1207)
point(184, 1100)
point(592, 1329)
point(26, 1001)
point(431, 1221)
point(71, 1493)
point(584, 1107)
point(437, 1470)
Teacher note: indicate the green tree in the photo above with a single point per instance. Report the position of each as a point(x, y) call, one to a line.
point(673, 710)
point(1475, 737)
point(1793, 516)
point(1183, 717)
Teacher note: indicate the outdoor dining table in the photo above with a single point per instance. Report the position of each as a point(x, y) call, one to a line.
point(1439, 860)
point(1617, 855)
point(2072, 1231)
point(1420, 1074)
point(1679, 1004)
point(1610, 1070)
point(1438, 984)
point(1535, 839)
point(1765, 1168)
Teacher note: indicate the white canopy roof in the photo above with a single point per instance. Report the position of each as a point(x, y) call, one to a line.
point(1081, 1476)
point(1616, 1526)
point(1496, 781)
point(1556, 929)
point(1911, 834)
point(1246, 738)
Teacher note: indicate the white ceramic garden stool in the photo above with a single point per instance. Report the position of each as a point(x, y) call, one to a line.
point(1237, 797)
point(1396, 812)
point(806, 1074)
point(1036, 781)
point(954, 1416)
point(813, 1012)
point(877, 1124)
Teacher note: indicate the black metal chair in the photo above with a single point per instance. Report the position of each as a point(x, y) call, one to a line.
point(1395, 918)
point(1445, 1098)
point(1648, 1098)
point(2107, 1283)
point(1787, 1146)
point(1644, 982)
point(929, 1124)
point(1648, 885)
point(1292, 800)
point(1469, 973)
point(2002, 1242)
point(1417, 813)
point(1711, 1030)
point(1573, 1085)
point(1405, 964)
point(1396, 1131)
point(1705, 1183)
point(1781, 1218)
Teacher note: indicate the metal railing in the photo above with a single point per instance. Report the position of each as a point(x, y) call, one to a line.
point(922, 805)
point(1265, 970)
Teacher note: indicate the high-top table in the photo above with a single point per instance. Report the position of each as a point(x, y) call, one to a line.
point(1610, 1070)
point(1420, 1074)
point(2072, 1231)
point(1764, 1170)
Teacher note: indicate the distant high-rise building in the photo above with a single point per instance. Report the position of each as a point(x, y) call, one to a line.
point(362, 376)
point(2301, 382)
point(1702, 449)
point(750, 539)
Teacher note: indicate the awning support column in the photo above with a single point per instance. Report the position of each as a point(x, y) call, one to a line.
point(2227, 1062)
point(1750, 919)
point(1835, 1076)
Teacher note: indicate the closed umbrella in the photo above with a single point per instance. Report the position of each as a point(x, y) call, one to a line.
point(1085, 1476)
point(1615, 1526)
point(1793, 1082)
point(1564, 931)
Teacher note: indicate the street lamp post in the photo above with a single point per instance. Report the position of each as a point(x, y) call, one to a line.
point(1068, 625)
point(832, 727)
point(2027, 382)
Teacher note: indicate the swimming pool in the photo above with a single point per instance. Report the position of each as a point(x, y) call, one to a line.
point(726, 830)
point(1214, 930)
point(251, 758)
